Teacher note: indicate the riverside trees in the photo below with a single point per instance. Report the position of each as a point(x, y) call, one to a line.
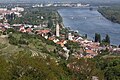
point(105, 41)
point(97, 37)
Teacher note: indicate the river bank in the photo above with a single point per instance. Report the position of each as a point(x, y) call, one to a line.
point(110, 13)
point(90, 22)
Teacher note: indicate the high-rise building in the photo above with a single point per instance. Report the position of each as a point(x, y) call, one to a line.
point(57, 30)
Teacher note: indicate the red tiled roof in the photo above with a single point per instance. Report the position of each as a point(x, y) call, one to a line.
point(90, 51)
point(22, 30)
point(51, 38)
point(43, 31)
point(60, 43)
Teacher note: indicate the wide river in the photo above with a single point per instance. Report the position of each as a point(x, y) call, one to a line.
point(90, 22)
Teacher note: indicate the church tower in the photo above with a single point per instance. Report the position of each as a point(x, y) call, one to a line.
point(57, 30)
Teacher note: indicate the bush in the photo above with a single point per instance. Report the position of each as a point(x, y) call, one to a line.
point(22, 41)
point(13, 40)
point(10, 30)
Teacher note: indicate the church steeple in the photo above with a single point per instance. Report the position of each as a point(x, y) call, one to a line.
point(57, 30)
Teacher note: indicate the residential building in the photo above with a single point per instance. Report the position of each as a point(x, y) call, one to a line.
point(70, 37)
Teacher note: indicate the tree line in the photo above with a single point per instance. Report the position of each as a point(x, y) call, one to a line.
point(111, 13)
point(98, 38)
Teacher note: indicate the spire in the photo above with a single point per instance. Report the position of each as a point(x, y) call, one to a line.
point(57, 30)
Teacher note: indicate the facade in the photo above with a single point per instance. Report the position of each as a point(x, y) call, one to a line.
point(70, 37)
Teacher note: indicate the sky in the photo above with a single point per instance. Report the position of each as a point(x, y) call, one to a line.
point(88, 1)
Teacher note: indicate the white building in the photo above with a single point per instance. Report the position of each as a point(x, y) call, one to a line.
point(18, 14)
point(6, 25)
point(19, 9)
point(1, 17)
point(79, 38)
point(70, 37)
point(67, 52)
point(3, 9)
point(55, 40)
point(42, 17)
point(47, 5)
point(79, 5)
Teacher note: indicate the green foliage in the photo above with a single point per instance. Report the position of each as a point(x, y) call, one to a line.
point(33, 16)
point(97, 37)
point(119, 46)
point(24, 67)
point(84, 69)
point(107, 39)
point(110, 67)
point(5, 73)
point(86, 36)
point(72, 46)
point(10, 30)
point(10, 16)
point(50, 24)
point(23, 41)
point(111, 13)
point(2, 46)
point(13, 40)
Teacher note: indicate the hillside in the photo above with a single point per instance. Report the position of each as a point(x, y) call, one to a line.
point(28, 57)
point(30, 53)
point(31, 57)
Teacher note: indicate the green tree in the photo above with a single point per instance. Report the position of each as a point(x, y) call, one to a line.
point(10, 30)
point(5, 73)
point(119, 46)
point(85, 35)
point(97, 37)
point(107, 39)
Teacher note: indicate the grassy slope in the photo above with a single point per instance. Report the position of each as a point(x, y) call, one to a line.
point(21, 60)
point(39, 55)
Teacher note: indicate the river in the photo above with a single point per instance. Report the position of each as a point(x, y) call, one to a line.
point(90, 22)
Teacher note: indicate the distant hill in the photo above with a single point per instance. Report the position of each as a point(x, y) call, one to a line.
point(88, 1)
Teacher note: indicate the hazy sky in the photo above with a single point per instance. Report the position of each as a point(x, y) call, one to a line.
point(106, 1)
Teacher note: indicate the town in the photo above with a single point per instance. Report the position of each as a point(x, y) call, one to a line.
point(59, 41)
point(89, 48)
point(61, 5)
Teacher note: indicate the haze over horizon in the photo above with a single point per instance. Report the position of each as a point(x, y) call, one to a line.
point(51, 1)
